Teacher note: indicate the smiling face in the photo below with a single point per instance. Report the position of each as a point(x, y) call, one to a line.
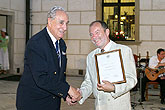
point(58, 25)
point(98, 36)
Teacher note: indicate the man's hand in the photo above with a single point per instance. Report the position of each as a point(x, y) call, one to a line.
point(69, 101)
point(160, 64)
point(74, 94)
point(162, 77)
point(107, 86)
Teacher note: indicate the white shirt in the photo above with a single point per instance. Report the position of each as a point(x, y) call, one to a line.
point(52, 37)
point(107, 47)
point(153, 62)
point(54, 41)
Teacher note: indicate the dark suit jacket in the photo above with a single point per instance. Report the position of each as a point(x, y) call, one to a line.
point(43, 82)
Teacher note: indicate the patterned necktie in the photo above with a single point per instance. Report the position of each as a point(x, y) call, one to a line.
point(58, 51)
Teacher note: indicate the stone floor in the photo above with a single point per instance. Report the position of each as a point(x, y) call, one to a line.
point(8, 93)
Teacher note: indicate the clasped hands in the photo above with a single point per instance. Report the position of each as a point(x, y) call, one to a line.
point(74, 95)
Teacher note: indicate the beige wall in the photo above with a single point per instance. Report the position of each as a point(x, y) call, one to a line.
point(151, 26)
point(81, 14)
point(150, 16)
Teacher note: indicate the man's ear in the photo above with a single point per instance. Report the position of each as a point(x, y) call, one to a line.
point(49, 21)
point(107, 32)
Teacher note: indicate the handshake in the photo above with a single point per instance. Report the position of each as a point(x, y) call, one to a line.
point(74, 95)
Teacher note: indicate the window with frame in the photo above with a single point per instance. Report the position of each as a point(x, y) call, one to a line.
point(120, 18)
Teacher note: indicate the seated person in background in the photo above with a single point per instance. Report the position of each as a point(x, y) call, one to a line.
point(156, 62)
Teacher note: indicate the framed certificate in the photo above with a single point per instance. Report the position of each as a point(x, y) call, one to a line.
point(109, 67)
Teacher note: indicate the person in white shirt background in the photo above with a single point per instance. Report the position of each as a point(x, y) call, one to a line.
point(156, 62)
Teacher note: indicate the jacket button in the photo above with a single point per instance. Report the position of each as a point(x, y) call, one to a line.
point(54, 97)
point(54, 72)
point(64, 72)
point(60, 94)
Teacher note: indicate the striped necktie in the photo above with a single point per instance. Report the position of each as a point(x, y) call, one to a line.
point(58, 51)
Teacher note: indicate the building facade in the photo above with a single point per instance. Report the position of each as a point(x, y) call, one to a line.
point(149, 28)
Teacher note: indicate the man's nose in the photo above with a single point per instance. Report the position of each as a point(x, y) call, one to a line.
point(65, 27)
point(94, 36)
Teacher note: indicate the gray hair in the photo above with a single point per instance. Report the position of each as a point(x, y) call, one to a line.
point(53, 10)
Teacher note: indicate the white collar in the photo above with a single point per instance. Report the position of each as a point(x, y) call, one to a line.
point(108, 46)
point(52, 37)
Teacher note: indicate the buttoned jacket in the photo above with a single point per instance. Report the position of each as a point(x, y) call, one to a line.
point(43, 82)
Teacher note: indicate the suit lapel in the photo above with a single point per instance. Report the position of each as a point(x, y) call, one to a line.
point(63, 54)
point(53, 50)
point(63, 60)
point(113, 45)
point(94, 71)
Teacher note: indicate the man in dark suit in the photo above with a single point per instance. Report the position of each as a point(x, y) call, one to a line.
point(43, 82)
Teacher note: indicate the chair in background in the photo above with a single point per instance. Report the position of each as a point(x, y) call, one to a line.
point(143, 62)
point(154, 83)
point(147, 59)
point(137, 59)
point(147, 87)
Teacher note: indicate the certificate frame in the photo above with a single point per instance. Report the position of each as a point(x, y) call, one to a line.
point(106, 65)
